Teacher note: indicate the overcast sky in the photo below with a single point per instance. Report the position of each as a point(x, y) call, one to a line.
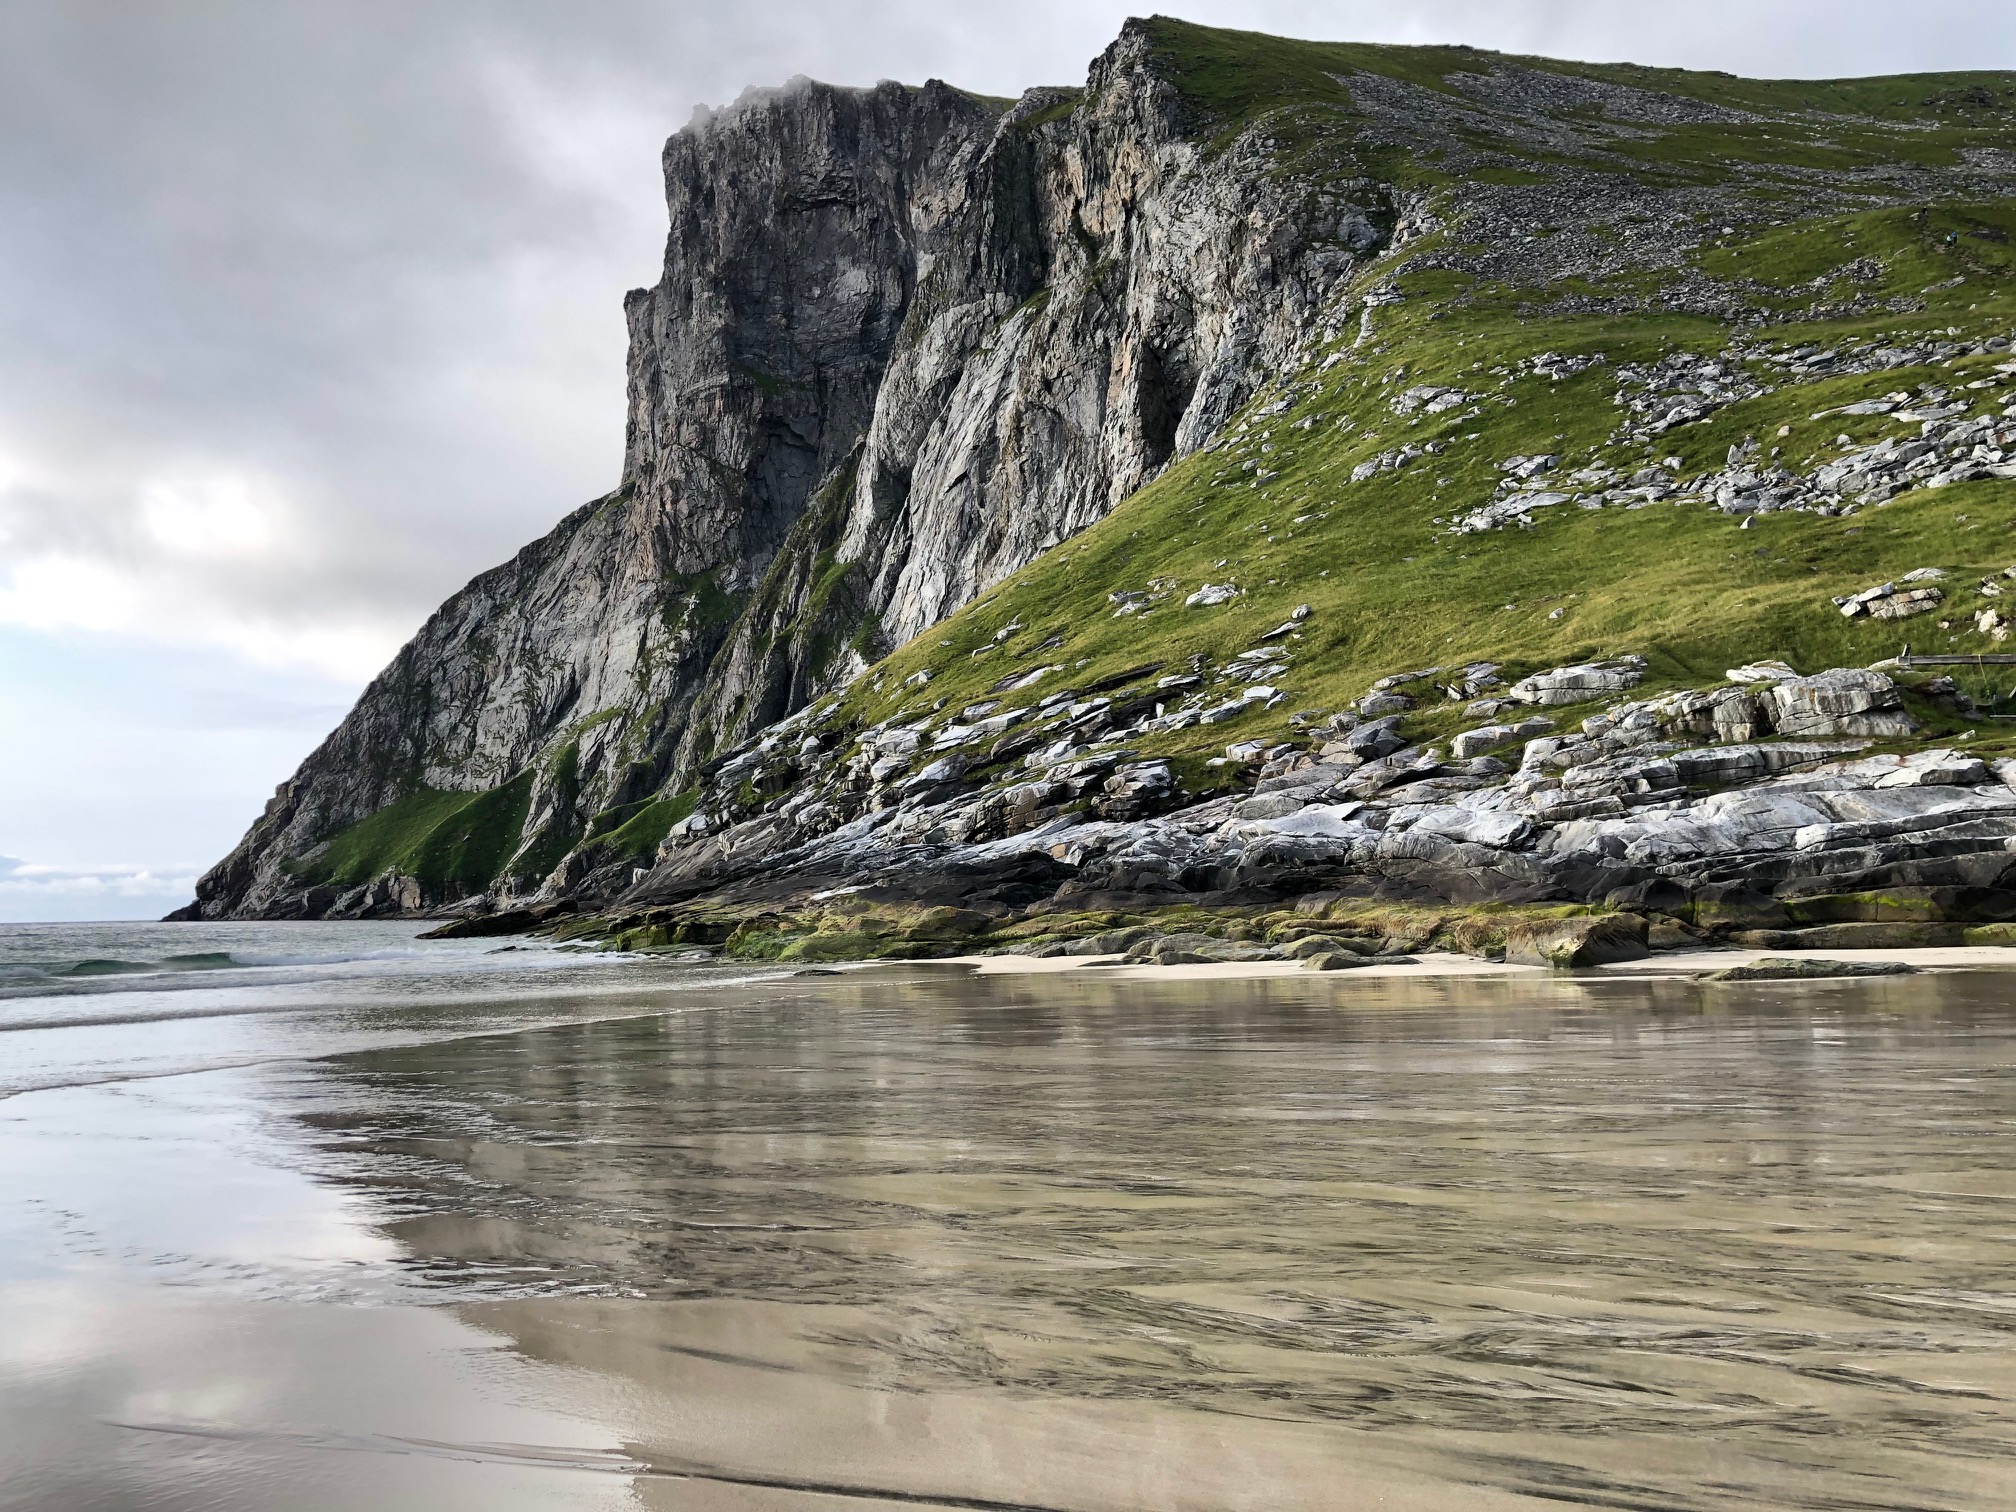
point(311, 309)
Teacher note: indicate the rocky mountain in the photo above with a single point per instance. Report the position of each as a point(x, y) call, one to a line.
point(905, 340)
point(1022, 501)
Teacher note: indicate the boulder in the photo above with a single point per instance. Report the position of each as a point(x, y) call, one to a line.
point(950, 924)
point(1403, 766)
point(1495, 828)
point(1900, 935)
point(1196, 950)
point(945, 769)
point(1579, 684)
point(833, 945)
point(1729, 715)
point(1149, 946)
point(1306, 781)
point(1310, 945)
point(1270, 806)
point(1117, 941)
point(1663, 933)
point(1489, 737)
point(1938, 769)
point(1370, 742)
point(1907, 605)
point(1138, 789)
point(1844, 701)
point(1761, 672)
point(1378, 705)
point(1333, 960)
point(1587, 940)
point(1780, 970)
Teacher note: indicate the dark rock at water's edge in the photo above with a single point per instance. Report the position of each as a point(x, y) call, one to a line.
point(481, 925)
point(1807, 970)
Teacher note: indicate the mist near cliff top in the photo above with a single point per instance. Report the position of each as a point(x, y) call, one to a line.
point(313, 313)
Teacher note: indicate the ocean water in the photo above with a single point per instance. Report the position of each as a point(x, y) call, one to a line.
point(331, 1218)
point(97, 1002)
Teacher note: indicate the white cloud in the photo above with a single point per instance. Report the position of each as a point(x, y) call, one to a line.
point(32, 892)
point(312, 314)
point(65, 592)
point(19, 877)
point(227, 515)
point(163, 557)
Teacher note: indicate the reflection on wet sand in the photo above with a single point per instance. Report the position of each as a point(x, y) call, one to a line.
point(1272, 1244)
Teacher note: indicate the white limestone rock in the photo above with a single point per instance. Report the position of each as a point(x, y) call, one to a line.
point(1844, 701)
point(1579, 684)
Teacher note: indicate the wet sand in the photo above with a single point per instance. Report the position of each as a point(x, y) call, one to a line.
point(1072, 1241)
point(1447, 964)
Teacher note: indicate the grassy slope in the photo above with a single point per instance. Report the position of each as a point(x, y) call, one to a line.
point(458, 840)
point(1682, 585)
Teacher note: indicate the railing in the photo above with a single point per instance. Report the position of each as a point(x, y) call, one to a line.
point(1906, 660)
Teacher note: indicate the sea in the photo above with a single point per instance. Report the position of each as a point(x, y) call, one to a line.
point(327, 1216)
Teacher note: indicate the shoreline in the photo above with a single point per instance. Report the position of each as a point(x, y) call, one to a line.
point(1665, 964)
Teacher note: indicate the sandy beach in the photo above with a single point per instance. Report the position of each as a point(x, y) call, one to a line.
point(361, 1221)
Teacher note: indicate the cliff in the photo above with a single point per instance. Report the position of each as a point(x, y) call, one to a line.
point(905, 340)
point(1334, 365)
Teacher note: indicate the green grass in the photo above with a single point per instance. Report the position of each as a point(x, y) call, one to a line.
point(700, 600)
point(1056, 110)
point(636, 829)
point(1390, 590)
point(1911, 244)
point(447, 840)
point(1231, 81)
point(1236, 75)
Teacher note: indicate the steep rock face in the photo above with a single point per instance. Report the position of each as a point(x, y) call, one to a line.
point(799, 220)
point(1111, 295)
point(1122, 294)
point(454, 711)
point(903, 343)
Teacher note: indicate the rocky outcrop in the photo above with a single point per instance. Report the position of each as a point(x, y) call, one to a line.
point(1111, 294)
point(1122, 293)
point(1821, 825)
point(1647, 806)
